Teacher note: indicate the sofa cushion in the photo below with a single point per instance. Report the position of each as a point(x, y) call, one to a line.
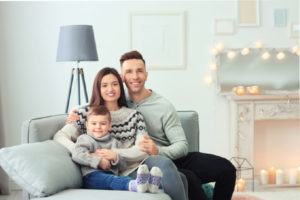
point(79, 194)
point(41, 168)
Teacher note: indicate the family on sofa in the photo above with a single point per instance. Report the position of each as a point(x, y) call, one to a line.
point(117, 148)
point(166, 147)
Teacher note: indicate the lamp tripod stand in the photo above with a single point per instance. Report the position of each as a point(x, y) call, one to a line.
point(79, 73)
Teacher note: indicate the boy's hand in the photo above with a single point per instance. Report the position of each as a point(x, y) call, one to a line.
point(106, 154)
point(148, 146)
point(73, 117)
point(104, 164)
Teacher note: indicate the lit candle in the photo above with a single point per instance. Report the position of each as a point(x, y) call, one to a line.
point(272, 176)
point(263, 177)
point(298, 175)
point(240, 185)
point(279, 177)
point(292, 176)
point(240, 90)
point(253, 90)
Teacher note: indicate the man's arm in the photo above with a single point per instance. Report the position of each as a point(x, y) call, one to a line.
point(175, 134)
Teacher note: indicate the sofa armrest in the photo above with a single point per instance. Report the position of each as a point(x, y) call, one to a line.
point(43, 128)
point(190, 124)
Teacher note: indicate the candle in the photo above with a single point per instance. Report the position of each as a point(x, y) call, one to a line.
point(298, 175)
point(263, 177)
point(253, 90)
point(240, 185)
point(272, 176)
point(292, 176)
point(240, 90)
point(279, 177)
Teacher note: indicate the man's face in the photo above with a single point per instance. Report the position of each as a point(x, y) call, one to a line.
point(134, 75)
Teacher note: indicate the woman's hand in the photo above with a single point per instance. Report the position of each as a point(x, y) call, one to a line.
point(73, 117)
point(104, 164)
point(106, 154)
point(148, 146)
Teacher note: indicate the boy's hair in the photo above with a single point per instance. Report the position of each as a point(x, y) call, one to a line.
point(98, 110)
point(131, 55)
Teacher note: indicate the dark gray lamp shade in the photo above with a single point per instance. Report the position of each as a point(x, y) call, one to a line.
point(76, 43)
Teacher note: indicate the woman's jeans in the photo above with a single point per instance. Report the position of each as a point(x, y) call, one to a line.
point(172, 181)
point(106, 181)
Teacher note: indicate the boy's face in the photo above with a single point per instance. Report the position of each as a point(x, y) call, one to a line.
point(134, 75)
point(98, 125)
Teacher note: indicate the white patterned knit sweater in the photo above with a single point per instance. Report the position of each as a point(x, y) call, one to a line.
point(128, 127)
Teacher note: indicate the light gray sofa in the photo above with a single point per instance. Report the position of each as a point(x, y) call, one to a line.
point(44, 128)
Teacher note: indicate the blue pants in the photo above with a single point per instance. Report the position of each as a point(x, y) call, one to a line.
point(173, 183)
point(106, 181)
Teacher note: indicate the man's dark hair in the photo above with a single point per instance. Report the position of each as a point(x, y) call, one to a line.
point(131, 55)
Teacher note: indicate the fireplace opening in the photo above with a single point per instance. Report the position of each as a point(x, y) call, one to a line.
point(276, 144)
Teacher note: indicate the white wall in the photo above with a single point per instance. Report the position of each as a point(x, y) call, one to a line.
point(34, 84)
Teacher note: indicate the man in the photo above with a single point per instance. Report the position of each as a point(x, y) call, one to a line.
point(167, 136)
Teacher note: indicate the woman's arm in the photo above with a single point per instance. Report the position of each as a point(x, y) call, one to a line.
point(134, 153)
point(67, 136)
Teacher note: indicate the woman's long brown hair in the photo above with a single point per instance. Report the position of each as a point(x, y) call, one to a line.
point(96, 98)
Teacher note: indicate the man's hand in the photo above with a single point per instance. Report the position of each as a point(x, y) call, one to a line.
point(73, 117)
point(106, 154)
point(104, 164)
point(148, 146)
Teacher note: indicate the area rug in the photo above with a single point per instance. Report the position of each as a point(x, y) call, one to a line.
point(244, 197)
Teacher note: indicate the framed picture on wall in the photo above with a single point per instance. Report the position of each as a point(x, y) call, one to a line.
point(248, 13)
point(279, 18)
point(224, 27)
point(160, 37)
point(295, 30)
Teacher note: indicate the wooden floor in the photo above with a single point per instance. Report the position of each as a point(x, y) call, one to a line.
point(14, 195)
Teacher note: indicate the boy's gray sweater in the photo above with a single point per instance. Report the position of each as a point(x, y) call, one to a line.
point(86, 144)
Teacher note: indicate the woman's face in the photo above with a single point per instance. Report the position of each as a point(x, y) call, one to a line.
point(110, 88)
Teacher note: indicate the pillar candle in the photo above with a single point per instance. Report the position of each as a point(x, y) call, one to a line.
point(272, 176)
point(263, 177)
point(240, 185)
point(298, 175)
point(292, 176)
point(279, 177)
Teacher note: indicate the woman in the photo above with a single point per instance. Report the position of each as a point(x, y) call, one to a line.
point(108, 90)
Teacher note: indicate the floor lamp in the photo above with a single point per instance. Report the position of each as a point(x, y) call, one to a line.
point(76, 43)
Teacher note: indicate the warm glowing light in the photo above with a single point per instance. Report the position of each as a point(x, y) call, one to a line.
point(231, 54)
point(213, 67)
point(214, 52)
point(265, 55)
point(220, 47)
point(245, 51)
point(258, 45)
point(295, 49)
point(280, 55)
point(208, 80)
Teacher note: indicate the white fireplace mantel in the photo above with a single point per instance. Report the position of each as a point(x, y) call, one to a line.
point(246, 109)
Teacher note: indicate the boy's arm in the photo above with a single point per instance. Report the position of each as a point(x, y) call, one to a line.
point(81, 153)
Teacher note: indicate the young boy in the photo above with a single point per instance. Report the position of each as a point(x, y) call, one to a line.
point(95, 169)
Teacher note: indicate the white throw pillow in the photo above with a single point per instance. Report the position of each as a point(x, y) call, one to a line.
point(41, 168)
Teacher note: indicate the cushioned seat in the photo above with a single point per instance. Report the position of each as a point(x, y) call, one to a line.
point(44, 128)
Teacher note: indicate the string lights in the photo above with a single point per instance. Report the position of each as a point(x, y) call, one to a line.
point(266, 54)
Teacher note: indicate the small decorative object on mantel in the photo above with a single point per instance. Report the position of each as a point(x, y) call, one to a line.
point(253, 90)
point(239, 90)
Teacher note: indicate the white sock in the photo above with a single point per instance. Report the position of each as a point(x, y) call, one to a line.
point(155, 179)
point(140, 184)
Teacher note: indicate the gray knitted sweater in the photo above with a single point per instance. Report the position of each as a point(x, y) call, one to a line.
point(86, 144)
